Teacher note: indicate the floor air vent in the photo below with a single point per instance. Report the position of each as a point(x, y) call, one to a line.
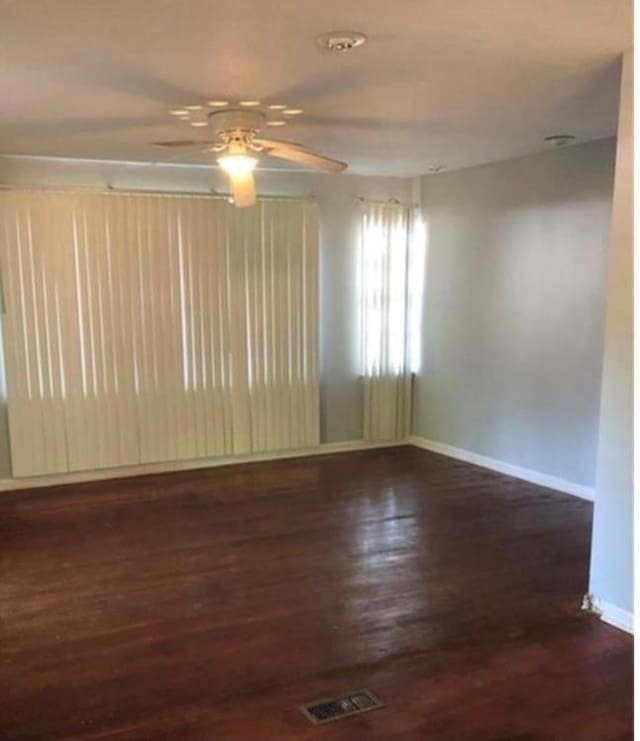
point(335, 708)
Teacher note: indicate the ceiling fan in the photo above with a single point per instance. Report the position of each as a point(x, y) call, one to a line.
point(238, 147)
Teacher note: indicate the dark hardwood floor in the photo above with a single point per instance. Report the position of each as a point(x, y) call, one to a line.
point(208, 605)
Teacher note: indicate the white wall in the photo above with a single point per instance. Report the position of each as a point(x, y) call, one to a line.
point(612, 544)
point(341, 393)
point(514, 309)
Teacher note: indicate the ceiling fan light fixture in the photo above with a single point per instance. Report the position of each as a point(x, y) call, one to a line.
point(237, 164)
point(278, 106)
point(218, 103)
point(181, 112)
point(193, 107)
point(237, 145)
point(292, 111)
point(250, 103)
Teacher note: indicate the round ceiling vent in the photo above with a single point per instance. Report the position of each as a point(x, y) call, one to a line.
point(341, 41)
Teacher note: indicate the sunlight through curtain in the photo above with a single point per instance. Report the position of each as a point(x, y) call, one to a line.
point(143, 328)
point(390, 301)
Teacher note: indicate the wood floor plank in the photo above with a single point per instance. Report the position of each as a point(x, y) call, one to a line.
point(210, 604)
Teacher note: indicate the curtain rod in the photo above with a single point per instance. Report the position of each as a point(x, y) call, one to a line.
point(114, 190)
point(213, 194)
point(390, 202)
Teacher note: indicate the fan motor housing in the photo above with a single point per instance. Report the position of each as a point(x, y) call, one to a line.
point(237, 119)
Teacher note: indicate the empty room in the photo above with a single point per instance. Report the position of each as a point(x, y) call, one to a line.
point(316, 370)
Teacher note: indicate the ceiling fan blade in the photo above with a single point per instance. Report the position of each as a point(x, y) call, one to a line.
point(184, 143)
point(305, 157)
point(268, 143)
point(179, 155)
point(243, 187)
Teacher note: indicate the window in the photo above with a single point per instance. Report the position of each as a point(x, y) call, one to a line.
point(392, 269)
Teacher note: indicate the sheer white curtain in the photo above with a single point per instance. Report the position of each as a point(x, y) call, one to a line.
point(145, 328)
point(386, 235)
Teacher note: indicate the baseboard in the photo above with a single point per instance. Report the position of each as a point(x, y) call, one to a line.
point(78, 477)
point(614, 615)
point(534, 477)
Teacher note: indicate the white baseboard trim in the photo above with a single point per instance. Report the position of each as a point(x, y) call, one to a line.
point(144, 469)
point(77, 477)
point(534, 477)
point(614, 615)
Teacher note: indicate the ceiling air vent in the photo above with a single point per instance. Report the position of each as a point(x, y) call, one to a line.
point(342, 41)
point(560, 140)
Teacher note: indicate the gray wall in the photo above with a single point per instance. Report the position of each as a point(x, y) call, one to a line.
point(514, 309)
point(341, 393)
point(612, 544)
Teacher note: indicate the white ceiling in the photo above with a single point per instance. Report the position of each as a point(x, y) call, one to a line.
point(451, 82)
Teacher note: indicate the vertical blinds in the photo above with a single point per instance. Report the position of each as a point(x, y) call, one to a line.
point(144, 328)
